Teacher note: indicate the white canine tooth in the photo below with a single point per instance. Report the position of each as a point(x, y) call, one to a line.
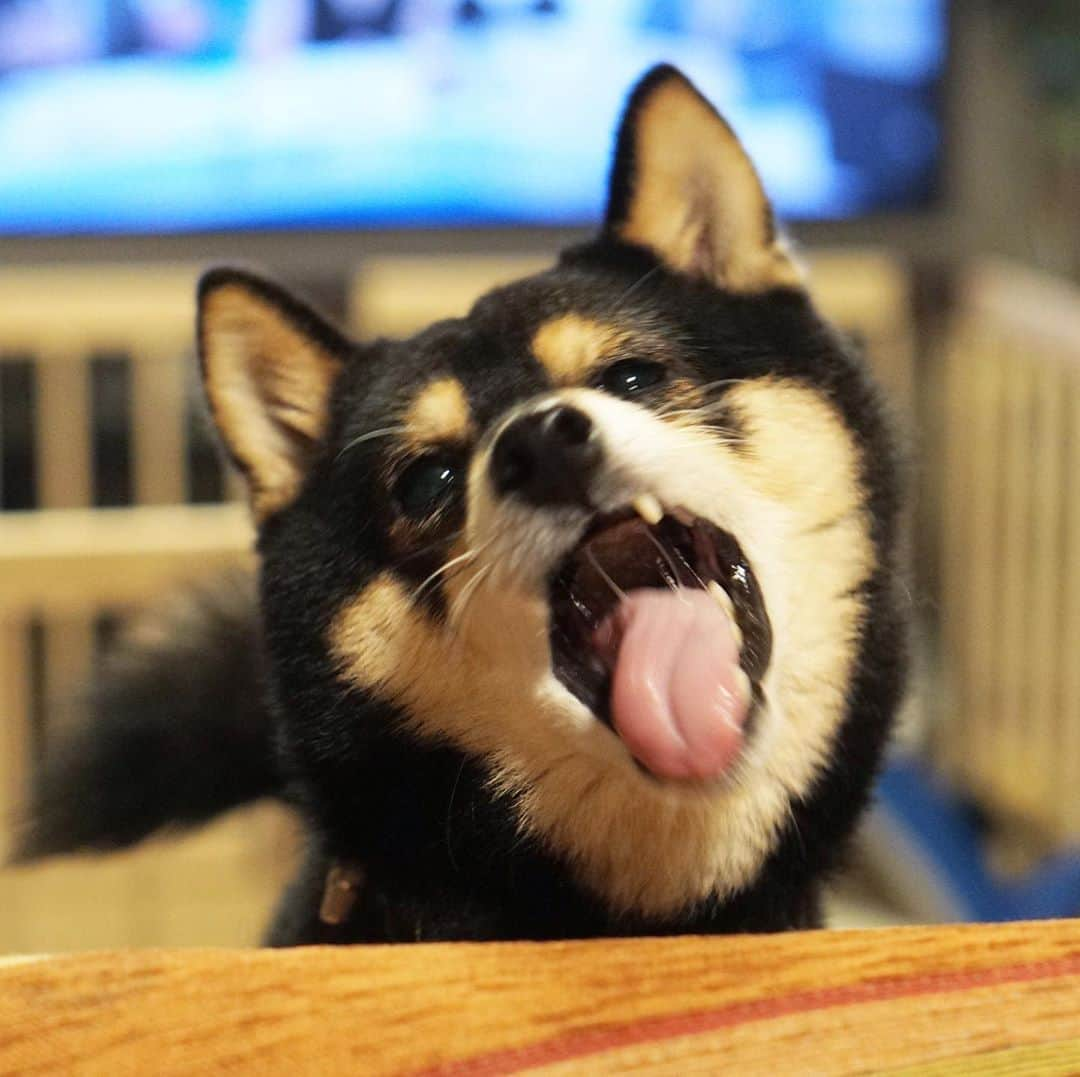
point(742, 685)
point(722, 597)
point(648, 508)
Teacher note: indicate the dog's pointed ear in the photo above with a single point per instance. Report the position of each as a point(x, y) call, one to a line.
point(268, 363)
point(683, 186)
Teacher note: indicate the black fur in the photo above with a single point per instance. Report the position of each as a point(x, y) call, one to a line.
point(442, 856)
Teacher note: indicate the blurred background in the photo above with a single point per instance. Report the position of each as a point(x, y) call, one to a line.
point(395, 158)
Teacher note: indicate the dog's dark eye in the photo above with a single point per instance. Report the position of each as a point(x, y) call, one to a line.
point(427, 485)
point(630, 376)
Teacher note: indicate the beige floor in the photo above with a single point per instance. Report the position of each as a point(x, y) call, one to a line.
point(214, 888)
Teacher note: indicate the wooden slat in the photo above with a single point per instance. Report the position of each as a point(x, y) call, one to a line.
point(397, 295)
point(984, 534)
point(73, 309)
point(1012, 588)
point(63, 441)
point(158, 425)
point(956, 613)
point(1046, 593)
point(829, 1003)
point(1031, 303)
point(14, 727)
point(868, 287)
point(15, 757)
point(1069, 669)
point(72, 560)
point(868, 292)
point(1010, 674)
point(62, 429)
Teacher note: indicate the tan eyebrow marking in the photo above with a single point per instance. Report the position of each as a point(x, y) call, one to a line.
point(440, 412)
point(570, 346)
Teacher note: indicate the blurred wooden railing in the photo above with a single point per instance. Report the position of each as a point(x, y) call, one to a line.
point(928, 1001)
point(67, 561)
point(1011, 527)
point(60, 319)
point(867, 292)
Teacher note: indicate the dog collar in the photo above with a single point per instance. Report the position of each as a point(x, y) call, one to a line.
point(340, 892)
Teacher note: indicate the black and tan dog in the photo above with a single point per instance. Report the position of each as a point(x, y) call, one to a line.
point(579, 614)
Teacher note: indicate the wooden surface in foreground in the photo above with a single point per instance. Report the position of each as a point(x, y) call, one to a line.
point(1002, 1000)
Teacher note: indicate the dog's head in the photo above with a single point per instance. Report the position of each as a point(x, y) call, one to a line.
point(620, 539)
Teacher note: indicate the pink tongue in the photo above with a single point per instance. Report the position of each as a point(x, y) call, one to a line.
point(678, 698)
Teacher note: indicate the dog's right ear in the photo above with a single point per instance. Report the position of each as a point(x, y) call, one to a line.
point(269, 363)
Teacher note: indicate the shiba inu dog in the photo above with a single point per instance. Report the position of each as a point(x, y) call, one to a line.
point(578, 615)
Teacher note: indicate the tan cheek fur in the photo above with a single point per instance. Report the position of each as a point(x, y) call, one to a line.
point(802, 460)
point(484, 683)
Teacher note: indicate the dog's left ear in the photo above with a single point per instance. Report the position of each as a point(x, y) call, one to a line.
point(683, 186)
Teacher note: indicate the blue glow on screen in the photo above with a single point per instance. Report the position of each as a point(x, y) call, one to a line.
point(155, 116)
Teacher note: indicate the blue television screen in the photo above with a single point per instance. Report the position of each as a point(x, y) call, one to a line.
point(159, 116)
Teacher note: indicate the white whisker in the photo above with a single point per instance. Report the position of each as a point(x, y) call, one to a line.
point(671, 563)
point(463, 558)
point(635, 286)
point(619, 592)
point(700, 425)
point(464, 597)
point(453, 563)
point(708, 387)
point(371, 435)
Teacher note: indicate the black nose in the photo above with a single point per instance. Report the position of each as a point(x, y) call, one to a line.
point(547, 457)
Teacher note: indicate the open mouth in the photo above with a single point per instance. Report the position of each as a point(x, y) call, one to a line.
point(659, 627)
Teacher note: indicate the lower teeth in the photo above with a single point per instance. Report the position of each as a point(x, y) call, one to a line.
point(724, 599)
